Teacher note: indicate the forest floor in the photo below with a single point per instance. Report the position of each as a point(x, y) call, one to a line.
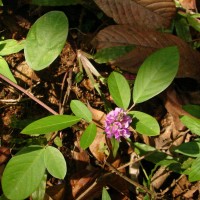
point(87, 170)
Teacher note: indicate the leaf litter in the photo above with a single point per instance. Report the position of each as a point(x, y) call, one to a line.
point(94, 168)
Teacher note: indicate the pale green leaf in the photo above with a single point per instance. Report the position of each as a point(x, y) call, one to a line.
point(194, 172)
point(111, 53)
point(189, 149)
point(55, 162)
point(192, 123)
point(58, 142)
point(55, 2)
point(50, 124)
point(39, 193)
point(105, 195)
point(144, 123)
point(192, 109)
point(45, 39)
point(5, 70)
point(119, 90)
point(88, 136)
point(80, 110)
point(11, 46)
point(156, 74)
point(23, 173)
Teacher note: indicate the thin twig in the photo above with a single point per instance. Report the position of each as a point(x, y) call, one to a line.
point(129, 180)
point(28, 94)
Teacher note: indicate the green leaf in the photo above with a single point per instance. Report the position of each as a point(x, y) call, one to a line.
point(156, 74)
point(88, 136)
point(192, 109)
point(1, 3)
point(40, 192)
point(108, 54)
point(115, 146)
point(119, 90)
point(194, 172)
point(194, 22)
point(58, 142)
point(189, 149)
point(155, 156)
point(23, 173)
point(105, 195)
point(45, 39)
point(50, 124)
point(5, 70)
point(144, 123)
point(192, 123)
point(11, 46)
point(80, 110)
point(55, 162)
point(55, 2)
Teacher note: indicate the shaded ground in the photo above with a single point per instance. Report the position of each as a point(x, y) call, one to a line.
point(56, 87)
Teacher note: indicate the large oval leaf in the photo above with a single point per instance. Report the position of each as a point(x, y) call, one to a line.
point(55, 162)
point(194, 173)
point(5, 70)
point(46, 39)
point(144, 123)
point(119, 90)
point(194, 110)
point(80, 110)
point(23, 173)
point(156, 74)
point(50, 124)
point(88, 136)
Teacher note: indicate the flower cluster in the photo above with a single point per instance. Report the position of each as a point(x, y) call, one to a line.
point(117, 124)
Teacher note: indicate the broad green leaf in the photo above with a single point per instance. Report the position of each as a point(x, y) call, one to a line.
point(119, 90)
point(192, 123)
point(55, 162)
point(194, 172)
point(5, 70)
point(88, 136)
point(115, 146)
point(23, 173)
point(108, 54)
point(1, 3)
point(144, 123)
point(45, 39)
point(156, 74)
point(50, 124)
point(192, 109)
point(80, 110)
point(105, 194)
point(189, 149)
point(55, 2)
point(40, 192)
point(11, 46)
point(2, 197)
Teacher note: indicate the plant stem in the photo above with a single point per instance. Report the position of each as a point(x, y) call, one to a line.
point(28, 94)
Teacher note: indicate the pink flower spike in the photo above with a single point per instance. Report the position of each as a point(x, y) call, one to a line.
point(117, 123)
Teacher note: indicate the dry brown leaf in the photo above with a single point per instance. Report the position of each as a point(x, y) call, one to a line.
point(146, 42)
point(188, 4)
point(152, 14)
point(56, 191)
point(4, 154)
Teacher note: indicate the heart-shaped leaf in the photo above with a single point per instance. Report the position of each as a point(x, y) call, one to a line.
point(55, 162)
point(144, 123)
point(119, 90)
point(23, 173)
point(50, 124)
point(45, 39)
point(156, 74)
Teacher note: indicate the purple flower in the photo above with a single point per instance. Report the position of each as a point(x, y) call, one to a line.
point(117, 124)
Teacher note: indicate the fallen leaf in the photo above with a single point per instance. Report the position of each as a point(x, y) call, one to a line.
point(57, 191)
point(188, 4)
point(147, 42)
point(4, 154)
point(152, 14)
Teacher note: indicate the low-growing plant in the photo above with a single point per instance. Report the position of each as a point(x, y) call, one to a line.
point(26, 172)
